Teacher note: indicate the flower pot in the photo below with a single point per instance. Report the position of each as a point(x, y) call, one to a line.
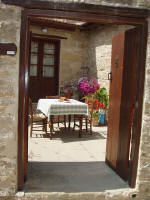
point(95, 121)
point(102, 117)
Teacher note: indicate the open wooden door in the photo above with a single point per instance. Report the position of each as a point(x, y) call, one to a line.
point(122, 94)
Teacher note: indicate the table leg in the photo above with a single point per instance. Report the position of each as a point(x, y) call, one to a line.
point(80, 126)
point(51, 126)
point(69, 120)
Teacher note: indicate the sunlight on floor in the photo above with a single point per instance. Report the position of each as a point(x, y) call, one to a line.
point(66, 146)
point(70, 164)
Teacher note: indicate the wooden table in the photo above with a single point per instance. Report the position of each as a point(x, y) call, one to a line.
point(51, 107)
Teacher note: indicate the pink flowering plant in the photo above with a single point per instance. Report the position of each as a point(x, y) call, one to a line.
point(87, 86)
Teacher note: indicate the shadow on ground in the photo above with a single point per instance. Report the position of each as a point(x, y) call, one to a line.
point(62, 134)
point(71, 177)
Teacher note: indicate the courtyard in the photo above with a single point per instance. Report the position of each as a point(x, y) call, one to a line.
point(70, 164)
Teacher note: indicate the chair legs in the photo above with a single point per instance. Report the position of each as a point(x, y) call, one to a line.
point(31, 128)
point(90, 127)
point(51, 126)
point(44, 125)
point(87, 123)
point(74, 121)
point(58, 120)
point(80, 126)
point(69, 121)
point(65, 121)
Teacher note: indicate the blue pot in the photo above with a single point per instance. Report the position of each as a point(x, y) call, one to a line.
point(102, 119)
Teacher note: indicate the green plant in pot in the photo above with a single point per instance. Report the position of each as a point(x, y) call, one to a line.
point(96, 108)
point(100, 102)
point(103, 97)
point(95, 105)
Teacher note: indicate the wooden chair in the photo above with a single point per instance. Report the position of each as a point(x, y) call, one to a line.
point(85, 120)
point(57, 118)
point(36, 117)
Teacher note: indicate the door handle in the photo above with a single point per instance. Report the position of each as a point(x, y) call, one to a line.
point(110, 76)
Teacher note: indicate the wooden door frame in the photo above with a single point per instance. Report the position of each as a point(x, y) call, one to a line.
point(56, 41)
point(83, 13)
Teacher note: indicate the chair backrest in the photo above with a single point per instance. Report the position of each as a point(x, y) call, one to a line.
point(30, 108)
point(52, 97)
point(90, 103)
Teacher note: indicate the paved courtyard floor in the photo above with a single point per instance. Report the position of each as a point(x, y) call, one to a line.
point(70, 164)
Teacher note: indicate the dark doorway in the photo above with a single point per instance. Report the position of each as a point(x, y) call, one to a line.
point(44, 68)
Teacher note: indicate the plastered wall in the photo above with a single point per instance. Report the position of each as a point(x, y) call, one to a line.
point(73, 52)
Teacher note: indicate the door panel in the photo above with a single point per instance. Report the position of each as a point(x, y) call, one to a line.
point(48, 77)
point(34, 70)
point(115, 98)
point(123, 66)
point(44, 68)
point(127, 102)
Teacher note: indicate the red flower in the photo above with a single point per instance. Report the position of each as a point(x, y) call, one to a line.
point(98, 104)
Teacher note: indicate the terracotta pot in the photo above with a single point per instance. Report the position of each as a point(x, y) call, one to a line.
point(95, 121)
point(67, 94)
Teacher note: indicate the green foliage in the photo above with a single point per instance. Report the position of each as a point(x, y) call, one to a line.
point(88, 96)
point(95, 114)
point(102, 96)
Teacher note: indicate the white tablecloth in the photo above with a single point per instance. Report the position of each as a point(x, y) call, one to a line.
point(56, 107)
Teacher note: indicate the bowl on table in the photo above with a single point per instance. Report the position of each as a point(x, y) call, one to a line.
point(64, 99)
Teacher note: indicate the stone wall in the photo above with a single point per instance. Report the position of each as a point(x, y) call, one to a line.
point(143, 180)
point(114, 3)
point(73, 52)
point(91, 48)
point(9, 70)
point(99, 51)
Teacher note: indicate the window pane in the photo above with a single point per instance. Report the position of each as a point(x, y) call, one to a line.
point(48, 71)
point(33, 59)
point(33, 70)
point(34, 47)
point(48, 60)
point(49, 48)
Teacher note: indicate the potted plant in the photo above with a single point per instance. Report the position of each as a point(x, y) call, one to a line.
point(87, 87)
point(103, 97)
point(100, 105)
point(97, 106)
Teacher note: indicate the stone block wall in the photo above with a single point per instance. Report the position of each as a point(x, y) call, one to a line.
point(92, 48)
point(99, 51)
point(114, 3)
point(9, 70)
point(143, 178)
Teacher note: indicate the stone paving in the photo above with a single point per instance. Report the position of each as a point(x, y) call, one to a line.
point(70, 164)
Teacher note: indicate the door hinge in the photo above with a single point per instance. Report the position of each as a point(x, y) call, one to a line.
point(110, 76)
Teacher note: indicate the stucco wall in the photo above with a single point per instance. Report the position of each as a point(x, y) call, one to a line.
point(73, 52)
point(9, 32)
